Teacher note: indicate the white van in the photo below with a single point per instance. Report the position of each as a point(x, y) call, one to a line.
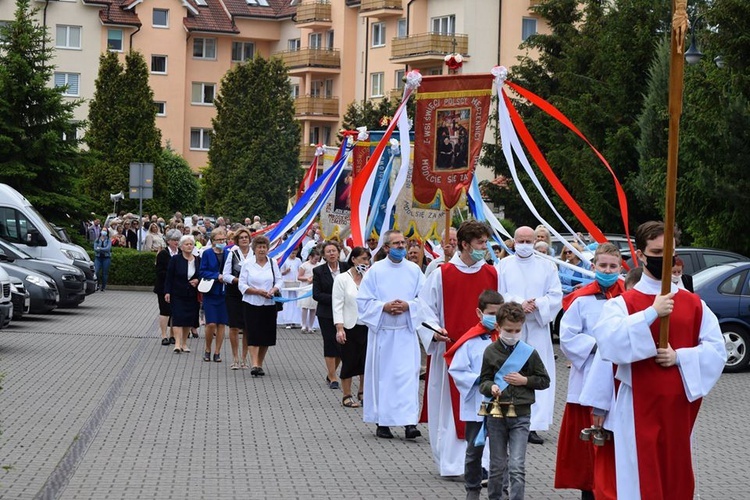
point(22, 225)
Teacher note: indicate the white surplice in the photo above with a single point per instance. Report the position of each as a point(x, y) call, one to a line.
point(448, 451)
point(624, 339)
point(577, 341)
point(535, 278)
point(393, 357)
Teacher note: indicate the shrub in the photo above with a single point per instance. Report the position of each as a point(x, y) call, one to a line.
point(131, 267)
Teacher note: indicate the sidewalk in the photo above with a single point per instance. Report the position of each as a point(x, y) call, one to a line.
point(94, 407)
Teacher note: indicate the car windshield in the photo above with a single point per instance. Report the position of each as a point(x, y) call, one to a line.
point(50, 227)
point(708, 274)
point(13, 251)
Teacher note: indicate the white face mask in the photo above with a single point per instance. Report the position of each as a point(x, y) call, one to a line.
point(524, 250)
point(675, 279)
point(510, 338)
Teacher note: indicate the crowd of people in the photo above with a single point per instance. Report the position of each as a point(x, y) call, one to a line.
point(472, 319)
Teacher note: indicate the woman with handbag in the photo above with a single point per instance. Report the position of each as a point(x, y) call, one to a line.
point(162, 264)
point(214, 305)
point(181, 291)
point(259, 281)
point(235, 258)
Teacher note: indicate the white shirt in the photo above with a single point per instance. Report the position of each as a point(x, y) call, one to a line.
point(263, 277)
point(344, 300)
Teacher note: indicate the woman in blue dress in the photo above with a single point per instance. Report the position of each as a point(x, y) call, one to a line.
point(214, 305)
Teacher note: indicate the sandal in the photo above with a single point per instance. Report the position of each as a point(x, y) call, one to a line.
point(348, 402)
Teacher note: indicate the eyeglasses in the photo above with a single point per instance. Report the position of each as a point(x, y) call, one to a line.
point(222, 240)
point(566, 252)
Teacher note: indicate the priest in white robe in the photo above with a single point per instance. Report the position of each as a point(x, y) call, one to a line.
point(449, 300)
point(533, 282)
point(660, 389)
point(388, 304)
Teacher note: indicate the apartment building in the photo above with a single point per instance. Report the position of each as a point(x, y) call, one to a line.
point(337, 51)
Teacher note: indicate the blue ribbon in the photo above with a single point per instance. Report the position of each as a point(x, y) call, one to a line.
point(292, 299)
point(474, 198)
point(377, 202)
point(514, 363)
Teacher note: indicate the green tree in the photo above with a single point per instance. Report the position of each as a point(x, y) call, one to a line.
point(254, 152)
point(122, 129)
point(184, 190)
point(38, 148)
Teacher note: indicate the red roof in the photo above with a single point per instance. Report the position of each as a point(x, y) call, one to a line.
point(276, 9)
point(212, 18)
point(114, 13)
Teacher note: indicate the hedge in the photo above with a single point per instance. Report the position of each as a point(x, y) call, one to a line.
point(131, 267)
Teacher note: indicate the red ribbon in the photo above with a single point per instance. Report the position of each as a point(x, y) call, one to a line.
point(544, 166)
point(308, 179)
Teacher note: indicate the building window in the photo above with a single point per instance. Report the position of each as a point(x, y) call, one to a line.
point(160, 18)
point(376, 84)
point(378, 34)
point(114, 39)
point(445, 25)
point(204, 48)
point(3, 24)
point(68, 82)
point(242, 51)
point(159, 65)
point(73, 132)
point(315, 41)
point(161, 108)
point(203, 93)
point(329, 39)
point(401, 28)
point(200, 139)
point(399, 79)
point(316, 88)
point(528, 27)
point(294, 44)
point(295, 90)
point(68, 37)
point(329, 89)
point(435, 71)
point(201, 3)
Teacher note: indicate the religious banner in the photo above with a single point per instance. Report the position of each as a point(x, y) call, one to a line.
point(451, 117)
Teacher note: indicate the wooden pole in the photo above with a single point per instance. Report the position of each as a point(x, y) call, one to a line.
point(448, 223)
point(676, 71)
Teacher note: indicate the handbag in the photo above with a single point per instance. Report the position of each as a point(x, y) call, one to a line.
point(205, 285)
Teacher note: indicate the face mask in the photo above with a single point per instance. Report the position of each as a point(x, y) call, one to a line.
point(104, 234)
point(361, 268)
point(675, 279)
point(489, 321)
point(654, 265)
point(477, 255)
point(510, 338)
point(316, 237)
point(524, 250)
point(397, 254)
point(606, 280)
point(220, 246)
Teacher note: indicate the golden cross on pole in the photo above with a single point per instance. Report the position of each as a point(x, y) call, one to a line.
point(676, 71)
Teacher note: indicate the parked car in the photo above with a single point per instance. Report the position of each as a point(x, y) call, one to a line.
point(697, 259)
point(41, 288)
point(70, 281)
point(19, 297)
point(6, 304)
point(726, 290)
point(618, 239)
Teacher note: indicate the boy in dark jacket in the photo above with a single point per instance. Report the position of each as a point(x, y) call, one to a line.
point(511, 371)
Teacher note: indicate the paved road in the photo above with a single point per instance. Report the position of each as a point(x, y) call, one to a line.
point(94, 407)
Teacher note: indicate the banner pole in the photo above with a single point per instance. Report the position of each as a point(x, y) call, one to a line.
point(448, 221)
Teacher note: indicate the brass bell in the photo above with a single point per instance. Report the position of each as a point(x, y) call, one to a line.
point(511, 413)
point(496, 411)
point(587, 433)
point(599, 438)
point(483, 412)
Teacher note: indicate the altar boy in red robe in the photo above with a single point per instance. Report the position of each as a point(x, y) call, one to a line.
point(660, 390)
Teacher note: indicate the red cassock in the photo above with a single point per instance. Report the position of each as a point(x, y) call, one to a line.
point(663, 416)
point(460, 297)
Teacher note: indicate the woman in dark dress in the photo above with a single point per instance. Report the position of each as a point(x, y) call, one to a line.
point(214, 305)
point(181, 291)
point(162, 263)
point(323, 277)
point(235, 257)
point(259, 280)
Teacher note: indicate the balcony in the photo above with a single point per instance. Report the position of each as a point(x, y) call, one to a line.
point(316, 108)
point(381, 9)
point(313, 14)
point(427, 48)
point(311, 60)
point(306, 154)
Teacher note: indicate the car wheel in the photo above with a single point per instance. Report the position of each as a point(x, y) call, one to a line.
point(736, 342)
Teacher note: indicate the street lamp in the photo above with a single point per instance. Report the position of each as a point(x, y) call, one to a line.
point(693, 55)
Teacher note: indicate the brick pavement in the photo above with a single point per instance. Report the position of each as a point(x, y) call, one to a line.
point(95, 407)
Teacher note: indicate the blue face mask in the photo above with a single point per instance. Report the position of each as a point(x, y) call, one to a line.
point(489, 321)
point(220, 246)
point(477, 255)
point(606, 280)
point(397, 254)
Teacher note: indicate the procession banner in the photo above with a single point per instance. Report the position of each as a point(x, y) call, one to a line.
point(451, 117)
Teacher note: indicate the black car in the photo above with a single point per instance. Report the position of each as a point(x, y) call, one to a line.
point(70, 281)
point(41, 288)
